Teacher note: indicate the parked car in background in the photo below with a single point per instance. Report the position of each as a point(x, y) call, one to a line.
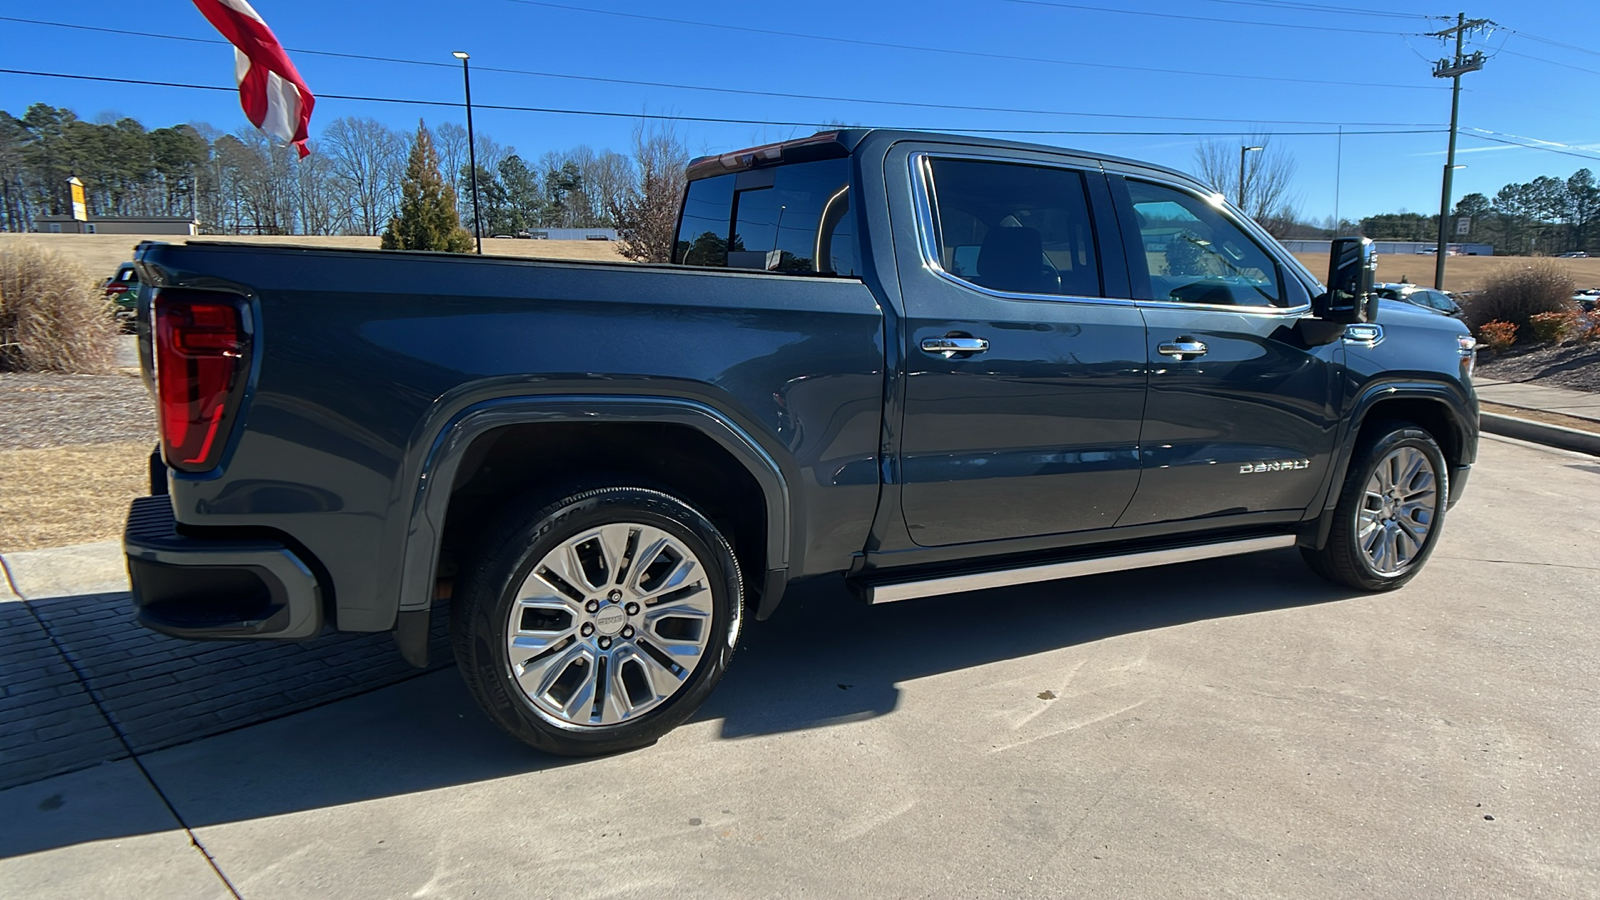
point(1416, 295)
point(1575, 254)
point(122, 290)
point(1587, 299)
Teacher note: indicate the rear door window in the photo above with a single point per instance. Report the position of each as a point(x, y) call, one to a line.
point(795, 219)
point(1015, 227)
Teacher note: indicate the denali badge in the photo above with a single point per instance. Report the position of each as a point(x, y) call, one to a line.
point(1277, 465)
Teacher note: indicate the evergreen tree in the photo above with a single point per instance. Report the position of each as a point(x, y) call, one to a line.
point(427, 218)
point(521, 187)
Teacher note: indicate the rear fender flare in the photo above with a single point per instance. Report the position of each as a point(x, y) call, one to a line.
point(426, 525)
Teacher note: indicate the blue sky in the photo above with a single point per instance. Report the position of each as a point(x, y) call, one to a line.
point(1531, 88)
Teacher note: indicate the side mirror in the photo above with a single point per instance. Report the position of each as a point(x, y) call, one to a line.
point(1352, 268)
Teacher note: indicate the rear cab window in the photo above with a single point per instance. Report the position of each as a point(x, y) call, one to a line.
point(794, 218)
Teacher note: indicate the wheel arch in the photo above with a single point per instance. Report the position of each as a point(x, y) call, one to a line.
point(1434, 406)
point(470, 439)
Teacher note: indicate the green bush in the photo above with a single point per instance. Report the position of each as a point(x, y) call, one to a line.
point(1521, 291)
point(53, 317)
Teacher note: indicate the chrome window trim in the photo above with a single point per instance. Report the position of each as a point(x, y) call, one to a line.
point(923, 198)
point(1227, 212)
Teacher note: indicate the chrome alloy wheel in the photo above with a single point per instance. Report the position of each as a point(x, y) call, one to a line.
point(609, 625)
point(1398, 510)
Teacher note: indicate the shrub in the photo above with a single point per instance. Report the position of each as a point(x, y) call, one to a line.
point(52, 316)
point(1497, 336)
point(1517, 293)
point(1555, 327)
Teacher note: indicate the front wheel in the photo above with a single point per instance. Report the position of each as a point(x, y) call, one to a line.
point(1389, 514)
point(598, 621)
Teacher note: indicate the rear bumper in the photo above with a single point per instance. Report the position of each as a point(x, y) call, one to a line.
point(229, 589)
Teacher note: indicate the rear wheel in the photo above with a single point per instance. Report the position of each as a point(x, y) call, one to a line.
point(598, 621)
point(1390, 512)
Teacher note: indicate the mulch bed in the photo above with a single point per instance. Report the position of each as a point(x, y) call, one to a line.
point(1574, 366)
point(38, 411)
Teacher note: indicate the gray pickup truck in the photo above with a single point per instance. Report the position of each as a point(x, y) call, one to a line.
point(923, 364)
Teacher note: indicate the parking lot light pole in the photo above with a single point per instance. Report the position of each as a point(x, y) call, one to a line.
point(1242, 152)
point(472, 150)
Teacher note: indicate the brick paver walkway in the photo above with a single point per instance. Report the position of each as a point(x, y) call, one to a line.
point(80, 682)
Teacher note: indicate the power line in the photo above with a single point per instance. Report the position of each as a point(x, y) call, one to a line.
point(1500, 137)
point(724, 90)
point(1484, 137)
point(720, 120)
point(1547, 61)
point(1322, 7)
point(1208, 19)
point(1545, 40)
point(976, 54)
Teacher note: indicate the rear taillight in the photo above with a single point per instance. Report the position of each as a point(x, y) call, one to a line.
point(202, 355)
point(116, 288)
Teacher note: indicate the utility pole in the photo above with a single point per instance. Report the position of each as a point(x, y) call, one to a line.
point(1453, 69)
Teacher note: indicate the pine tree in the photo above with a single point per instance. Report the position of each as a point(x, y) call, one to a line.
point(427, 219)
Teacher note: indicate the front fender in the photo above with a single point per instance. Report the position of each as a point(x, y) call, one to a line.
point(1454, 401)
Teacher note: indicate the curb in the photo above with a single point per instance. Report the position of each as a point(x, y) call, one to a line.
point(1540, 433)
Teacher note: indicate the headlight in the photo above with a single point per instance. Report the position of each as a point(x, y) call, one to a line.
point(1467, 346)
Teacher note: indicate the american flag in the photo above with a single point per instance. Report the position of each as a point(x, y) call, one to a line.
point(274, 96)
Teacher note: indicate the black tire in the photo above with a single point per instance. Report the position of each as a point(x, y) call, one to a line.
point(511, 550)
point(1343, 559)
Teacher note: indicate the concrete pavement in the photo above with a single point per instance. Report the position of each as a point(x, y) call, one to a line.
point(1578, 404)
point(1232, 727)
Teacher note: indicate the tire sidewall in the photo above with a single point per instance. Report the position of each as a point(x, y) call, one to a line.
point(555, 524)
point(1392, 440)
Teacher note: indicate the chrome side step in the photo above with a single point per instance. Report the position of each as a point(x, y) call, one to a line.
point(955, 584)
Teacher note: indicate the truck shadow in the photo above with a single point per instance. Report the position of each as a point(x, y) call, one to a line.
point(823, 660)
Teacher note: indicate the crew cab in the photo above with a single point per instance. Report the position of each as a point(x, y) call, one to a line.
point(921, 363)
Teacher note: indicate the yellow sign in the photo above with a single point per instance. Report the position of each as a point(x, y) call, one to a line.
point(80, 205)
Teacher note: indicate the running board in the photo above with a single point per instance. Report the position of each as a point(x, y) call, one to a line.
point(955, 584)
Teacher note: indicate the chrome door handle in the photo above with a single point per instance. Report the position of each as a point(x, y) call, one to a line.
point(1182, 348)
point(950, 346)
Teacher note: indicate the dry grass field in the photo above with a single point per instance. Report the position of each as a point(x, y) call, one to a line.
point(102, 253)
point(60, 496)
point(1461, 273)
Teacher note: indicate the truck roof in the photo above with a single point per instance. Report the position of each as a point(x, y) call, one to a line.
point(842, 142)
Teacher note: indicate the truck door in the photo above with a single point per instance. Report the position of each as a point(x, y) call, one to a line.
point(1024, 385)
point(1242, 411)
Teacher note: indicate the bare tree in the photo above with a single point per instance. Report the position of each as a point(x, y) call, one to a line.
point(319, 203)
point(647, 215)
point(607, 182)
point(1268, 175)
point(367, 158)
point(450, 140)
